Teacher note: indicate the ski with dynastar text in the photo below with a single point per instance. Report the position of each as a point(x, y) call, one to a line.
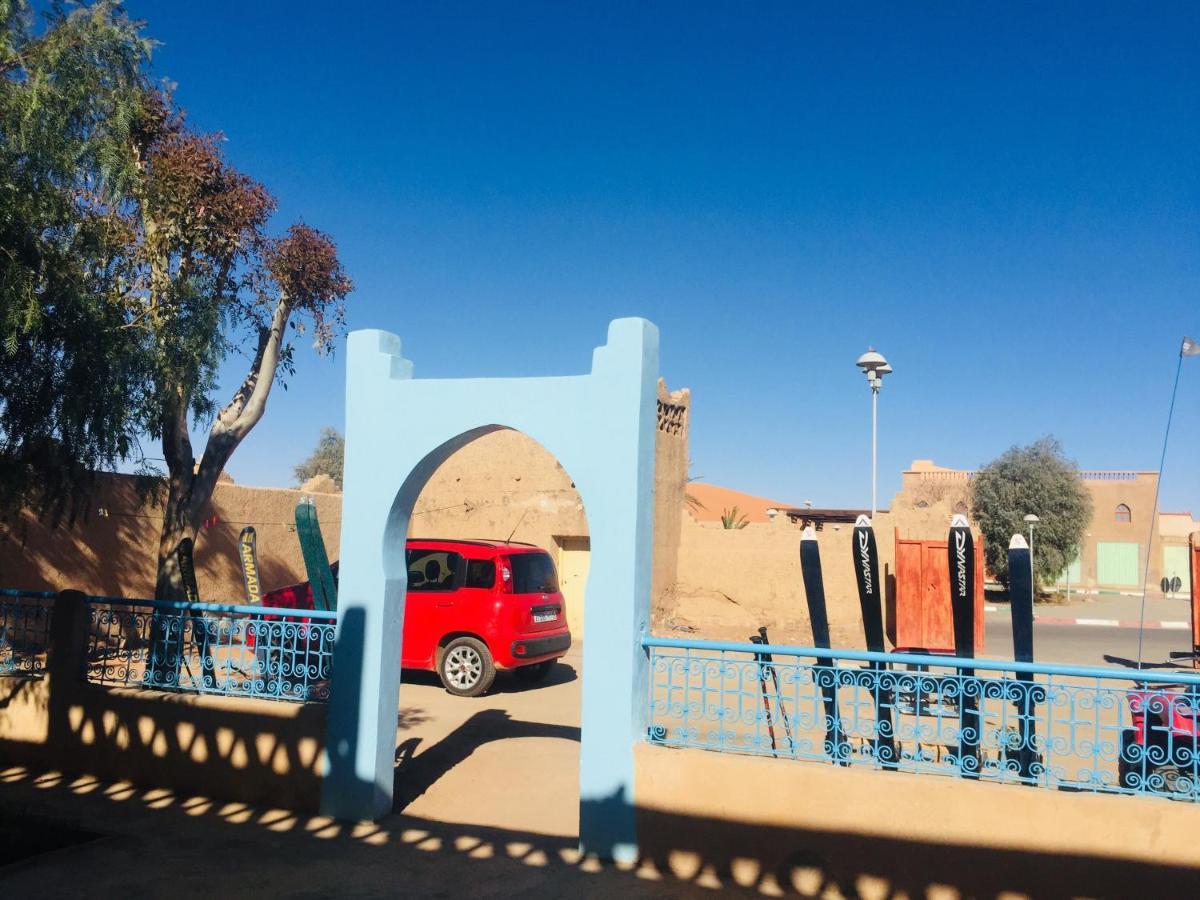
point(825, 672)
point(870, 593)
point(316, 561)
point(1020, 603)
point(960, 547)
point(248, 554)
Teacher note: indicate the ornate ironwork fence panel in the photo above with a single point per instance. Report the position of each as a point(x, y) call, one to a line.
point(25, 618)
point(245, 651)
point(1061, 727)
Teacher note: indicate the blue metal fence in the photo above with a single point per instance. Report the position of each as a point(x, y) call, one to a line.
point(25, 618)
point(247, 651)
point(1062, 727)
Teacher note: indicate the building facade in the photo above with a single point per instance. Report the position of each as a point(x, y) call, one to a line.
point(1125, 531)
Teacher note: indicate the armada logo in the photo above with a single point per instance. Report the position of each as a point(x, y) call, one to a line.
point(250, 570)
point(960, 552)
point(864, 558)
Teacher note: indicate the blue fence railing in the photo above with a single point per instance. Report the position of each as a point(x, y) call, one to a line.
point(245, 651)
point(25, 618)
point(1062, 727)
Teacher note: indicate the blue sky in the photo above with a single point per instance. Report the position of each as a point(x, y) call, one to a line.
point(1003, 198)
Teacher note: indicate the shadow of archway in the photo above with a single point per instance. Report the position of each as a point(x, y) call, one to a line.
point(418, 772)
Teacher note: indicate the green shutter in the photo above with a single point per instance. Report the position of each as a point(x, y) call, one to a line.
point(1175, 562)
point(1117, 564)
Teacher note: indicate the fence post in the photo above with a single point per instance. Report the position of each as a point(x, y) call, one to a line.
point(67, 648)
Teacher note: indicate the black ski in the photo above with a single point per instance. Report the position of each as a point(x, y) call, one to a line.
point(866, 572)
point(200, 625)
point(187, 571)
point(248, 552)
point(1020, 602)
point(960, 547)
point(316, 561)
point(825, 672)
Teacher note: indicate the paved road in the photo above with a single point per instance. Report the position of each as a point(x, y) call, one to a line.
point(1083, 644)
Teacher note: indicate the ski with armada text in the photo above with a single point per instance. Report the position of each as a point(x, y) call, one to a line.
point(316, 560)
point(248, 554)
point(960, 545)
point(866, 573)
point(1020, 601)
point(825, 672)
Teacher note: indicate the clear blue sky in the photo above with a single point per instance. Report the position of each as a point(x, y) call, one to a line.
point(1003, 198)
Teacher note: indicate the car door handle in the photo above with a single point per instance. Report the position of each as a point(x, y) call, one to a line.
point(446, 603)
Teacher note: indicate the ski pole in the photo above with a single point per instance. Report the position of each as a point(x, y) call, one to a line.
point(762, 684)
point(779, 704)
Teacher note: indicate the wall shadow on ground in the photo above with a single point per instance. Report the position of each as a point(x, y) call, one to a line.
point(681, 855)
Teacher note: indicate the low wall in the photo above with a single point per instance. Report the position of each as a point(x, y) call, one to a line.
point(230, 748)
point(811, 828)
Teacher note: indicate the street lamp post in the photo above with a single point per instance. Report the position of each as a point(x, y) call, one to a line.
point(874, 366)
point(1031, 520)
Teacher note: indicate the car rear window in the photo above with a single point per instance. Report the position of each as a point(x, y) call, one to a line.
point(533, 573)
point(432, 570)
point(481, 573)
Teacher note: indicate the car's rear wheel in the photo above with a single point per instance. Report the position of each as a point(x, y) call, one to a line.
point(536, 672)
point(466, 668)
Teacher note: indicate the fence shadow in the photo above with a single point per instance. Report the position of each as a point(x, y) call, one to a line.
point(169, 836)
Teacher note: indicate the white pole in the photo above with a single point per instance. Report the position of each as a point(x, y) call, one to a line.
point(874, 421)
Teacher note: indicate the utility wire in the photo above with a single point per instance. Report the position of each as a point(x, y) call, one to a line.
point(1154, 511)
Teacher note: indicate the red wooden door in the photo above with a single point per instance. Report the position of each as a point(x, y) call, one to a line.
point(923, 618)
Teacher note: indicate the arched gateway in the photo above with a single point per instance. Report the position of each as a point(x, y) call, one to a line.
point(601, 427)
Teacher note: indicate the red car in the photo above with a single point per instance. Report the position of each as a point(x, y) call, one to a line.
point(473, 607)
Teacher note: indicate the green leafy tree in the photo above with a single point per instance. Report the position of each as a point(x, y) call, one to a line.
point(202, 278)
point(72, 388)
point(326, 458)
point(1036, 479)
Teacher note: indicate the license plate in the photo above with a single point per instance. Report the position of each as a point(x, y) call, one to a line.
point(544, 617)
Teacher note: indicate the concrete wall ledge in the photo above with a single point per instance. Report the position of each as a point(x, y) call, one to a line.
point(884, 832)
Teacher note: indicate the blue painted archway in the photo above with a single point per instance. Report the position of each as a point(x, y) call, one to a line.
point(601, 427)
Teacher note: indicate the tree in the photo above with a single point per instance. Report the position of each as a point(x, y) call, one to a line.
point(732, 519)
point(201, 277)
point(1037, 479)
point(326, 458)
point(71, 378)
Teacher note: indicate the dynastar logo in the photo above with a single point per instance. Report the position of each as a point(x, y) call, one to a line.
point(960, 552)
point(864, 559)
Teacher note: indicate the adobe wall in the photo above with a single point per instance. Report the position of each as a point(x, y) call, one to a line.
point(115, 554)
point(731, 581)
point(503, 484)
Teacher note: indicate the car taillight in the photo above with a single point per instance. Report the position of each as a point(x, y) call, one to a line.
point(506, 586)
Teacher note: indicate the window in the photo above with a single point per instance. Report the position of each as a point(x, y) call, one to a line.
point(1123, 514)
point(533, 573)
point(481, 573)
point(432, 570)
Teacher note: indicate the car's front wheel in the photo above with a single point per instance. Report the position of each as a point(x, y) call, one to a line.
point(466, 668)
